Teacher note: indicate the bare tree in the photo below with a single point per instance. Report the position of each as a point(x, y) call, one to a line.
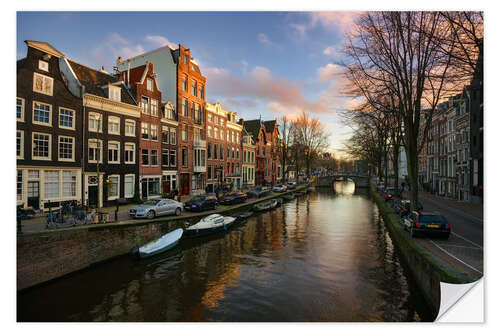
point(286, 137)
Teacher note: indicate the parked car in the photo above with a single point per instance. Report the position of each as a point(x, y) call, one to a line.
point(403, 208)
point(233, 198)
point(291, 185)
point(280, 188)
point(432, 223)
point(156, 207)
point(258, 192)
point(201, 202)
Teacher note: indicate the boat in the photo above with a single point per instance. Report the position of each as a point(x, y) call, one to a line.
point(279, 201)
point(266, 205)
point(288, 197)
point(210, 224)
point(159, 245)
point(243, 216)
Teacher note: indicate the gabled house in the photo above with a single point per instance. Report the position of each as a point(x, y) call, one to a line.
point(256, 129)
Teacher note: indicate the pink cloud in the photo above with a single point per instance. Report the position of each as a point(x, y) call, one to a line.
point(336, 20)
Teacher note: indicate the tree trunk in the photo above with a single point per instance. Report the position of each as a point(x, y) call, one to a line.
point(412, 158)
point(395, 165)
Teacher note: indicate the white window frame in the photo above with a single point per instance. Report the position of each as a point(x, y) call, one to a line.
point(149, 84)
point(99, 118)
point(129, 144)
point(59, 158)
point(175, 155)
point(98, 144)
point(73, 118)
point(147, 128)
point(129, 122)
point(142, 161)
point(44, 80)
point(118, 155)
point(113, 120)
point(154, 107)
point(49, 124)
point(45, 183)
point(151, 158)
point(125, 195)
point(33, 157)
point(114, 197)
point(21, 152)
point(75, 182)
point(22, 108)
point(151, 128)
point(168, 157)
point(145, 107)
point(114, 93)
point(43, 65)
point(173, 136)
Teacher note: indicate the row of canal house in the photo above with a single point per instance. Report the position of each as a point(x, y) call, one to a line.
point(143, 131)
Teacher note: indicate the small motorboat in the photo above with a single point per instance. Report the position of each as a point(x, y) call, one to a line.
point(159, 245)
point(243, 216)
point(288, 197)
point(210, 224)
point(266, 205)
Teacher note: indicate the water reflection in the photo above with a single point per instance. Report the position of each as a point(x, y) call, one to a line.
point(325, 256)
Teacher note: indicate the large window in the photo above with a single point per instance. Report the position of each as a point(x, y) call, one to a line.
point(154, 157)
point(113, 187)
point(19, 185)
point(66, 118)
point(95, 151)
point(19, 144)
point(129, 127)
point(115, 93)
point(41, 146)
point(129, 186)
point(145, 105)
point(69, 184)
point(154, 107)
point(184, 133)
point(20, 109)
point(51, 184)
point(209, 151)
point(173, 136)
point(209, 131)
point(113, 152)
point(41, 113)
point(165, 136)
point(42, 84)
point(185, 83)
point(154, 132)
point(184, 158)
point(114, 125)
point(149, 84)
point(145, 130)
point(184, 107)
point(193, 89)
point(164, 157)
point(95, 122)
point(173, 158)
point(145, 157)
point(66, 148)
point(221, 152)
point(129, 153)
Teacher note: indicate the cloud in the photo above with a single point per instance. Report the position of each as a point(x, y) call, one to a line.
point(263, 39)
point(333, 51)
point(299, 30)
point(333, 20)
point(110, 48)
point(330, 72)
point(160, 41)
point(261, 85)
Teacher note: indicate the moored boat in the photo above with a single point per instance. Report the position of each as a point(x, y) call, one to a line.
point(243, 216)
point(266, 205)
point(210, 224)
point(288, 197)
point(159, 245)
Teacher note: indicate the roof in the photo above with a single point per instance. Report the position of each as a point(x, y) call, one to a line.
point(94, 80)
point(270, 125)
point(253, 127)
point(45, 47)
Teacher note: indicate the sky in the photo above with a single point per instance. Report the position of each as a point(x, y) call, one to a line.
point(258, 64)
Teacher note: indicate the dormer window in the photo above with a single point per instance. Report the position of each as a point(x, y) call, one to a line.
point(43, 65)
point(115, 93)
point(150, 85)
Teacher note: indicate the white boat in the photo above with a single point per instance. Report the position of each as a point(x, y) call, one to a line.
point(210, 224)
point(159, 245)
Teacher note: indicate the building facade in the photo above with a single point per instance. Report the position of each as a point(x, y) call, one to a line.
point(233, 151)
point(216, 146)
point(248, 162)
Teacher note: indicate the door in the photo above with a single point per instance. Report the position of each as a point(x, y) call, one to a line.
point(93, 196)
point(34, 194)
point(185, 183)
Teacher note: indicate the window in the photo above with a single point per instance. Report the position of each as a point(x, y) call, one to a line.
point(221, 134)
point(51, 184)
point(215, 151)
point(184, 133)
point(164, 157)
point(114, 125)
point(69, 184)
point(149, 84)
point(165, 137)
point(19, 109)
point(41, 146)
point(185, 83)
point(145, 105)
point(144, 131)
point(209, 151)
point(222, 152)
point(42, 84)
point(209, 117)
point(129, 153)
point(184, 107)
point(145, 157)
point(20, 144)
point(95, 122)
point(237, 154)
point(201, 92)
point(41, 113)
point(115, 93)
point(232, 137)
point(113, 187)
point(129, 127)
point(184, 158)
point(227, 136)
point(184, 59)
point(216, 132)
point(193, 88)
point(173, 136)
point(154, 132)
point(209, 132)
point(66, 118)
point(173, 158)
point(129, 186)
point(209, 172)
point(19, 185)
point(43, 65)
point(95, 150)
point(66, 148)
point(154, 157)
point(154, 107)
point(113, 152)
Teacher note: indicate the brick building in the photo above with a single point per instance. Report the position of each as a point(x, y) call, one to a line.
point(233, 151)
point(272, 151)
point(216, 145)
point(248, 160)
point(257, 130)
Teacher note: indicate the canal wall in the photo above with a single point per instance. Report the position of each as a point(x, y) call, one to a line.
point(427, 270)
point(47, 255)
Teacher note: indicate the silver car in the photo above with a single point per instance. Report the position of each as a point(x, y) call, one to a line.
point(156, 207)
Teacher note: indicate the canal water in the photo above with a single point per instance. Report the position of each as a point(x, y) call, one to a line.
point(326, 256)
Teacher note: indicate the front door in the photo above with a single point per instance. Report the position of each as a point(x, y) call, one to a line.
point(34, 194)
point(93, 196)
point(185, 183)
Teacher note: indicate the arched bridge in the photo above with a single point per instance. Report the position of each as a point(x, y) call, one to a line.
point(327, 181)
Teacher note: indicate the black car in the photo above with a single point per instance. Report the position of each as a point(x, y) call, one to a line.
point(200, 203)
point(233, 198)
point(403, 208)
point(431, 223)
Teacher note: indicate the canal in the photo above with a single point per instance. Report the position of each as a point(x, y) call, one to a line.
point(326, 256)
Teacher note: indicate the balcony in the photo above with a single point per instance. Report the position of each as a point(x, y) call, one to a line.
point(197, 143)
